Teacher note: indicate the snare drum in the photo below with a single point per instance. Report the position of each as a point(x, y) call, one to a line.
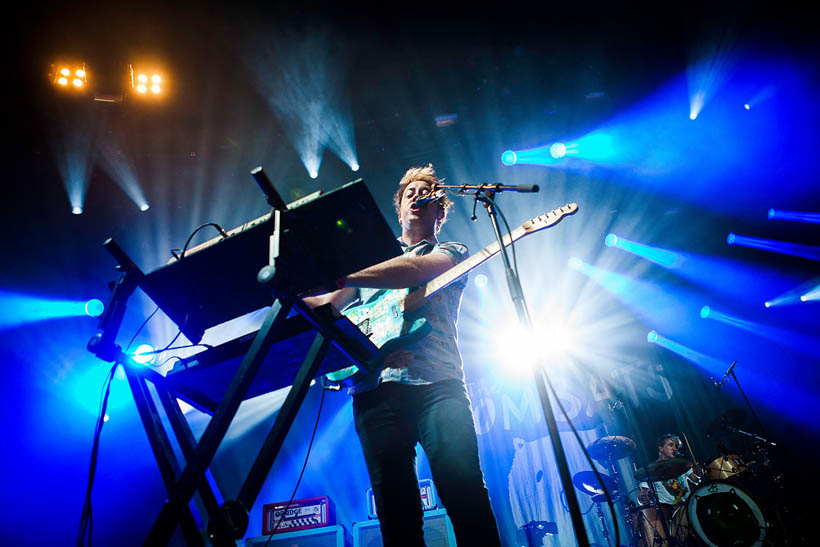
point(718, 514)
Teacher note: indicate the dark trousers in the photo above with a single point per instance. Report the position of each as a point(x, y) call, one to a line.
point(390, 420)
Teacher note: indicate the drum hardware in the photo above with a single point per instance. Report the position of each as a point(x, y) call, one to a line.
point(757, 438)
point(607, 450)
point(587, 482)
point(611, 448)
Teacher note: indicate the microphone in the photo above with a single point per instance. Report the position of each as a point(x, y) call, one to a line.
point(430, 198)
point(725, 376)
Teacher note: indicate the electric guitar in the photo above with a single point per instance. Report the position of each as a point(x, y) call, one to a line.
point(389, 336)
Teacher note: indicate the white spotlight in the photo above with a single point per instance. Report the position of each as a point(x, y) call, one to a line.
point(354, 167)
point(77, 210)
point(144, 354)
point(144, 207)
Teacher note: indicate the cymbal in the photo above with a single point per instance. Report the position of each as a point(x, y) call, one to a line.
point(613, 447)
point(734, 417)
point(663, 470)
point(586, 482)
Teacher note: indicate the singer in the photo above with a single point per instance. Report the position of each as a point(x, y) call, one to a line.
point(419, 395)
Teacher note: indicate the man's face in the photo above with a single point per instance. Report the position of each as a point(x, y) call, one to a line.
point(668, 449)
point(410, 214)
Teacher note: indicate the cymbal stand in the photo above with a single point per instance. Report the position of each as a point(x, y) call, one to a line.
point(604, 531)
point(763, 443)
point(732, 373)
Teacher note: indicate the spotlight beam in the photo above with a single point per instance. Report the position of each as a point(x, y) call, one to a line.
point(661, 257)
point(781, 247)
point(794, 216)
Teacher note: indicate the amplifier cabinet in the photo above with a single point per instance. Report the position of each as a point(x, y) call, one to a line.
point(438, 531)
point(429, 498)
point(328, 536)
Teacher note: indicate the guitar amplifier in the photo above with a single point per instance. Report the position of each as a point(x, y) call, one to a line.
point(329, 536)
point(429, 500)
point(438, 531)
point(300, 515)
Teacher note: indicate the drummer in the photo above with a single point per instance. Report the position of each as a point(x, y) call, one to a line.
point(672, 491)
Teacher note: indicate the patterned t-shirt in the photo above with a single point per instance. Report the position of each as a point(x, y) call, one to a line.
point(436, 356)
point(672, 491)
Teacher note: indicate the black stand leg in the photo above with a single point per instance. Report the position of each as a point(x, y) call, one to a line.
point(204, 452)
point(187, 443)
point(163, 452)
point(284, 419)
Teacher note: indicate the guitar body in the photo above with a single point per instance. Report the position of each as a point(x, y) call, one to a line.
point(388, 326)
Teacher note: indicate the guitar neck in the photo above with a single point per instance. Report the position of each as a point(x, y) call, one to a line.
point(469, 263)
point(416, 299)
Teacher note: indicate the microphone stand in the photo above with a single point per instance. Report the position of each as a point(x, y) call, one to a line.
point(731, 372)
point(517, 296)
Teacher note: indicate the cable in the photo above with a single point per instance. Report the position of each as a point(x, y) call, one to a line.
point(609, 501)
point(86, 517)
point(304, 466)
point(219, 228)
point(140, 329)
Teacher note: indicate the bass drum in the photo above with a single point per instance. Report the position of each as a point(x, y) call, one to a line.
point(719, 514)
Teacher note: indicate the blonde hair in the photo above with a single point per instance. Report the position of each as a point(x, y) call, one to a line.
point(426, 174)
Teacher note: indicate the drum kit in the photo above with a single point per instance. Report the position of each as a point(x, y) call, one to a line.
point(729, 499)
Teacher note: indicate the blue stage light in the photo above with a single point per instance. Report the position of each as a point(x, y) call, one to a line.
point(747, 106)
point(651, 336)
point(705, 311)
point(480, 281)
point(77, 210)
point(19, 309)
point(795, 216)
point(782, 247)
point(144, 354)
point(558, 150)
point(508, 158)
point(94, 307)
point(661, 257)
point(575, 263)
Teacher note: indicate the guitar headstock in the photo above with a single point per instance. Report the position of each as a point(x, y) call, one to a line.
point(548, 219)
